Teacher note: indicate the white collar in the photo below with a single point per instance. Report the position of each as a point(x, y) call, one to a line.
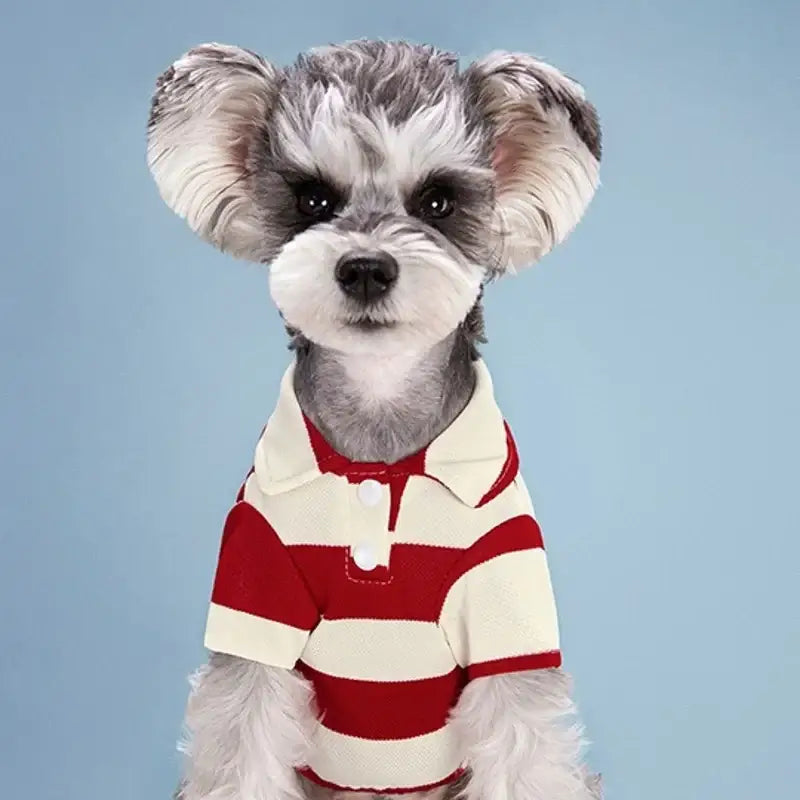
point(468, 457)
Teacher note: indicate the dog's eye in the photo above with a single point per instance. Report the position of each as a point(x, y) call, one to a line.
point(316, 200)
point(435, 202)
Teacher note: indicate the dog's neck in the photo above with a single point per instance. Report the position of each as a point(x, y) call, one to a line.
point(383, 408)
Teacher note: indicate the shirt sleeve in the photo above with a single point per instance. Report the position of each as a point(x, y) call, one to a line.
point(261, 608)
point(499, 612)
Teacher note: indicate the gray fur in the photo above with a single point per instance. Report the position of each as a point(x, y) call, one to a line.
point(230, 137)
point(394, 79)
point(247, 727)
point(524, 738)
point(551, 93)
point(437, 388)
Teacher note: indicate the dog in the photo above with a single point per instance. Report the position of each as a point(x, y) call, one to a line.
point(386, 186)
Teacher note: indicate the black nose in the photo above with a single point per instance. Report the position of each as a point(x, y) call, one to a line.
point(366, 277)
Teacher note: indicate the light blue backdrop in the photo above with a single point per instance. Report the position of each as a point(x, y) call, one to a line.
point(649, 368)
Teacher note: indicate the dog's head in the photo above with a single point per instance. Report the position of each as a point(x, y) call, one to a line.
point(382, 184)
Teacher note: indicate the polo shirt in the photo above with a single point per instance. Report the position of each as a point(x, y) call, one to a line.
point(389, 586)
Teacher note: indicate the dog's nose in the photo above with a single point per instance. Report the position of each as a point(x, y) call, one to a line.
point(366, 277)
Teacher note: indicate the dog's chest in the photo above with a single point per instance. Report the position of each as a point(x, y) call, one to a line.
point(378, 545)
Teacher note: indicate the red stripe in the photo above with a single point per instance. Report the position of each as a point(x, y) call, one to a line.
point(417, 581)
point(507, 474)
point(502, 666)
point(397, 474)
point(513, 535)
point(328, 460)
point(256, 574)
point(411, 589)
point(384, 709)
point(397, 486)
point(309, 773)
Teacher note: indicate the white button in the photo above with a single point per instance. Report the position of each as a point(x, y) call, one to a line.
point(370, 492)
point(364, 556)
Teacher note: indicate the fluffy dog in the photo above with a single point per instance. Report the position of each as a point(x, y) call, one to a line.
point(385, 187)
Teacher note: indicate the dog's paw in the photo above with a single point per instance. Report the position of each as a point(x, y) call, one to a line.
point(594, 783)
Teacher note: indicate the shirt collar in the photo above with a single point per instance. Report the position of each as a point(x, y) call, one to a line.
point(470, 457)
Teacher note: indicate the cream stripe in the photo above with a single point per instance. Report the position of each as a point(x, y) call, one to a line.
point(379, 650)
point(469, 455)
point(384, 764)
point(430, 516)
point(314, 513)
point(502, 608)
point(284, 458)
point(477, 433)
point(318, 513)
point(525, 495)
point(247, 636)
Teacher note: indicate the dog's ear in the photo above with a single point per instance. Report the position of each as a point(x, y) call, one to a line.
point(206, 132)
point(546, 152)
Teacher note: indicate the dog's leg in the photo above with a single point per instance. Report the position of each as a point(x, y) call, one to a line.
point(247, 727)
point(523, 739)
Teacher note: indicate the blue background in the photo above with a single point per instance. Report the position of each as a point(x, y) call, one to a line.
point(649, 368)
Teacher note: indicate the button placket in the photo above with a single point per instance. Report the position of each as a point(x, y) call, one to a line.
point(369, 517)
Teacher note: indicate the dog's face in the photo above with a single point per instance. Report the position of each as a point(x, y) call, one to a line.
point(382, 184)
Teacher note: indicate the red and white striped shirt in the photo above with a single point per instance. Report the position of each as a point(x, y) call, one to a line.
point(388, 586)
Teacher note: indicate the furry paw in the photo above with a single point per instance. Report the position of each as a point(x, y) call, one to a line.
point(594, 783)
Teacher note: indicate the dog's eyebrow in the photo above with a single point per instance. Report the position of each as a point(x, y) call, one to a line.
point(295, 175)
point(465, 181)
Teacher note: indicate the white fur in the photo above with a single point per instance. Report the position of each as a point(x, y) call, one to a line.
point(552, 175)
point(433, 293)
point(210, 107)
point(380, 380)
point(565, 175)
point(433, 138)
point(247, 727)
point(319, 135)
point(522, 739)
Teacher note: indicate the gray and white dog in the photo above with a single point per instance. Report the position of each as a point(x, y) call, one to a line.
point(385, 186)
